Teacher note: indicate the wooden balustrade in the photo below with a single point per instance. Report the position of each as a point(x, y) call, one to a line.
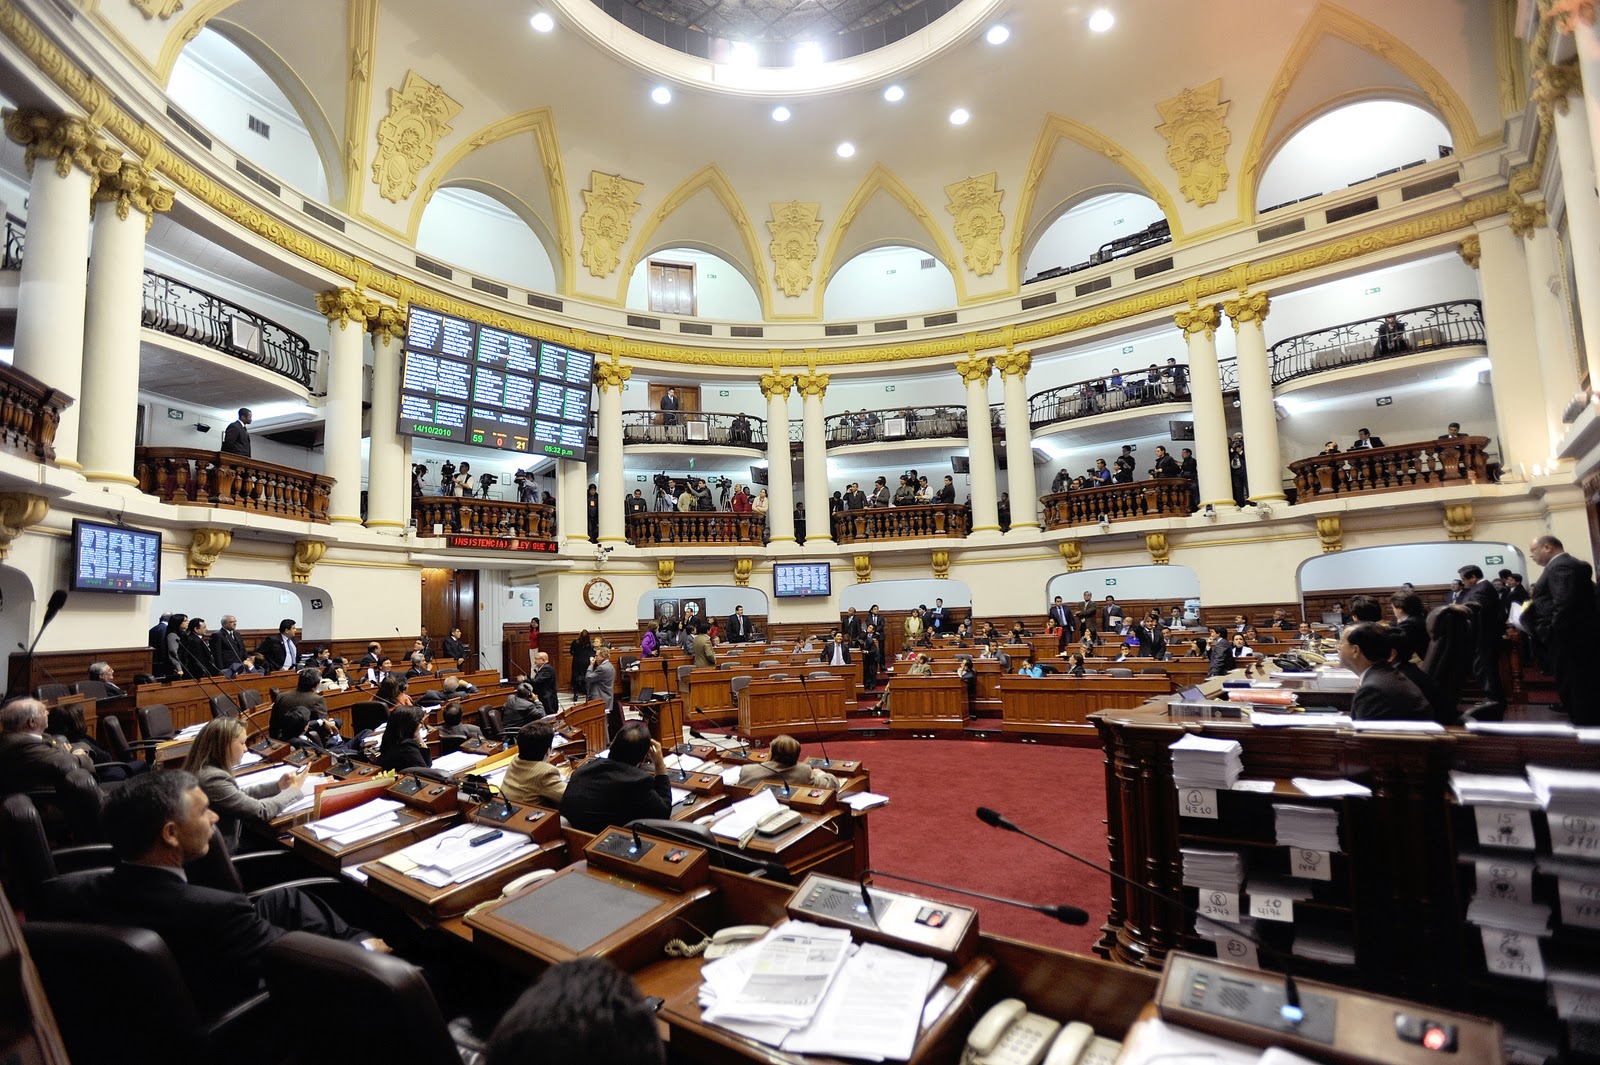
point(30, 410)
point(694, 528)
point(901, 523)
point(1159, 497)
point(190, 477)
point(483, 517)
point(1432, 464)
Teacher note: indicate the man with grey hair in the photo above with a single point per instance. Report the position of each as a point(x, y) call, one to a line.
point(29, 760)
point(104, 674)
point(227, 646)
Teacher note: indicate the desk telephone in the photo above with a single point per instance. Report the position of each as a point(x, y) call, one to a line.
point(777, 822)
point(720, 944)
point(1009, 1035)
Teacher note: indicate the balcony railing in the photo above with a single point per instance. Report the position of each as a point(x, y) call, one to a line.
point(30, 411)
point(483, 517)
point(1104, 395)
point(186, 476)
point(1420, 329)
point(181, 310)
point(695, 528)
point(1434, 464)
point(1159, 497)
point(693, 428)
point(904, 423)
point(916, 522)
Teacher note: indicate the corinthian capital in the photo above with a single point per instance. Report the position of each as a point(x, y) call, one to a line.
point(812, 384)
point(389, 324)
point(346, 305)
point(1200, 319)
point(1249, 307)
point(1555, 82)
point(133, 187)
point(1014, 363)
point(611, 375)
point(975, 369)
point(776, 384)
point(63, 139)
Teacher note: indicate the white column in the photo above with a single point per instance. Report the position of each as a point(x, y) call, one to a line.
point(52, 290)
point(347, 312)
point(814, 446)
point(609, 377)
point(388, 473)
point(1199, 325)
point(780, 472)
point(1558, 368)
point(1020, 480)
point(109, 406)
point(1586, 34)
point(1520, 409)
point(1575, 153)
point(407, 500)
point(975, 372)
point(572, 503)
point(1256, 413)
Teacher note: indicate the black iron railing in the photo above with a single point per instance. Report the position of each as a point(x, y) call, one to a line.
point(179, 309)
point(692, 427)
point(903, 423)
point(1421, 329)
point(1104, 395)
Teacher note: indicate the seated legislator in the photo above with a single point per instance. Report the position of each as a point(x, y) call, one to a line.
point(578, 1011)
point(520, 707)
point(102, 673)
point(784, 764)
point(454, 727)
point(617, 789)
point(1367, 649)
point(531, 778)
point(219, 747)
point(404, 743)
point(157, 823)
point(28, 758)
point(293, 713)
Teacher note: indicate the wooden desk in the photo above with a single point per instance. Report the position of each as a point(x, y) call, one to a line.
point(769, 708)
point(1061, 705)
point(665, 718)
point(935, 702)
point(589, 718)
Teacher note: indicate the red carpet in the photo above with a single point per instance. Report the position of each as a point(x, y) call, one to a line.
point(929, 831)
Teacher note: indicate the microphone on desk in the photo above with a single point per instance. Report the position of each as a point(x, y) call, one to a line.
point(1290, 1011)
point(787, 791)
point(638, 844)
point(706, 717)
point(1061, 912)
point(57, 600)
point(812, 710)
point(866, 897)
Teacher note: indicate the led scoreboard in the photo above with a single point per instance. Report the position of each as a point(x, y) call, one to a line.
point(473, 384)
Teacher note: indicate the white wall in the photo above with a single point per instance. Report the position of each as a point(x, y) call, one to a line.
point(1176, 583)
point(1436, 279)
point(886, 283)
point(903, 595)
point(467, 229)
point(1349, 145)
point(720, 599)
point(257, 606)
point(1080, 232)
point(220, 87)
point(160, 430)
point(720, 290)
point(1390, 567)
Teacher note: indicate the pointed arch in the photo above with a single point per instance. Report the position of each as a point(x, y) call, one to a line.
point(517, 206)
point(1057, 128)
point(1328, 19)
point(881, 179)
point(1030, 239)
point(190, 21)
point(541, 122)
point(709, 177)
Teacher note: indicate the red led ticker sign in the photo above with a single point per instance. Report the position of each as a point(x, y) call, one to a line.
point(502, 543)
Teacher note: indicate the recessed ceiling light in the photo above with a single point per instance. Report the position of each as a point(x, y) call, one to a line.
point(997, 34)
point(542, 22)
point(1102, 20)
point(894, 94)
point(959, 116)
point(661, 94)
point(808, 54)
point(780, 114)
point(744, 54)
point(845, 150)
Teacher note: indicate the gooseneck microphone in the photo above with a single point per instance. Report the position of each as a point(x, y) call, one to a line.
point(707, 717)
point(1063, 913)
point(812, 710)
point(58, 599)
point(787, 791)
point(1290, 1011)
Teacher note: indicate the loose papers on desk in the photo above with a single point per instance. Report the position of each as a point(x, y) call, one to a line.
point(457, 761)
point(1211, 870)
point(452, 859)
point(739, 823)
point(688, 763)
point(1566, 790)
point(1313, 828)
point(308, 798)
point(864, 800)
point(1199, 762)
point(1492, 789)
point(358, 822)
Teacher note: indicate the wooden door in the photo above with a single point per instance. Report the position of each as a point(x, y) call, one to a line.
point(671, 288)
point(450, 598)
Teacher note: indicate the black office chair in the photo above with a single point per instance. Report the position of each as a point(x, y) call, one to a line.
point(155, 722)
point(223, 706)
point(627, 662)
point(50, 692)
point(490, 717)
point(450, 744)
point(116, 742)
point(94, 689)
point(26, 858)
point(364, 717)
point(249, 699)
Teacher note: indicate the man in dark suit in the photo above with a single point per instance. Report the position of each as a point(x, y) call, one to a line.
point(455, 647)
point(836, 652)
point(158, 637)
point(544, 682)
point(737, 630)
point(936, 616)
point(1563, 620)
point(1111, 615)
point(1166, 465)
point(28, 759)
point(1365, 440)
point(875, 619)
point(280, 651)
point(851, 626)
point(1367, 650)
point(227, 646)
point(236, 437)
point(947, 492)
point(669, 407)
point(617, 789)
point(295, 712)
point(158, 823)
point(1062, 615)
point(871, 656)
point(1489, 631)
point(855, 498)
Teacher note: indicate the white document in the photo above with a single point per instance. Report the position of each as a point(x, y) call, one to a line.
point(1522, 728)
point(1497, 789)
point(874, 1009)
point(367, 829)
point(309, 799)
point(1263, 787)
point(1397, 726)
point(731, 775)
point(250, 758)
point(1331, 789)
point(686, 762)
point(679, 795)
point(1195, 742)
point(864, 800)
point(740, 820)
point(791, 971)
point(451, 858)
point(359, 815)
point(455, 763)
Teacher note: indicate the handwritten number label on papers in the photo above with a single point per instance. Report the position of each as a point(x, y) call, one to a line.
point(1197, 802)
point(1272, 907)
point(1220, 905)
point(1504, 826)
point(1512, 954)
point(1575, 835)
point(1310, 865)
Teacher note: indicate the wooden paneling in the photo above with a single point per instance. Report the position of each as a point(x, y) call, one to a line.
point(69, 667)
point(769, 708)
point(928, 702)
point(1062, 705)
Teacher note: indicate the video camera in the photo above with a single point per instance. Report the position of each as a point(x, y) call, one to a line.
point(663, 482)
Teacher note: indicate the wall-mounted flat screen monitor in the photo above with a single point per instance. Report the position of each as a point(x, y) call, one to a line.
point(114, 558)
point(473, 384)
point(798, 580)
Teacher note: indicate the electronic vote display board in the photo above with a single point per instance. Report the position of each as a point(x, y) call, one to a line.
point(485, 387)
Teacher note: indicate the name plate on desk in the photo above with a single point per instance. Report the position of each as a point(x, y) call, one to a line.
point(896, 919)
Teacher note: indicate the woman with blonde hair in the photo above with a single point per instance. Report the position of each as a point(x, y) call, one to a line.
point(219, 747)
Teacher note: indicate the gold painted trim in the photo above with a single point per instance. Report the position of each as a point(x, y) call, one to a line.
point(1509, 59)
point(361, 47)
point(385, 524)
point(185, 29)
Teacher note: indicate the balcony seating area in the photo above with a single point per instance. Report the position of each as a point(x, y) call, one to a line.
point(190, 477)
point(1169, 497)
point(915, 522)
point(30, 411)
point(695, 528)
point(1457, 323)
point(902, 423)
point(692, 428)
point(1431, 464)
point(1109, 394)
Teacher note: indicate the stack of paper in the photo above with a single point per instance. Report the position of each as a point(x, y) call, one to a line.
point(358, 823)
point(1532, 918)
point(1274, 887)
point(1324, 947)
point(1523, 728)
point(308, 796)
point(1212, 870)
point(1566, 791)
point(864, 800)
point(1268, 719)
point(451, 858)
point(456, 762)
point(1491, 789)
point(1313, 828)
point(688, 763)
point(1198, 762)
point(739, 822)
point(188, 733)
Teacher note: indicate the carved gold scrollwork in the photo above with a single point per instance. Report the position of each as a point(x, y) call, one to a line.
point(1330, 531)
point(1527, 217)
point(665, 569)
point(1458, 521)
point(1199, 319)
point(1160, 550)
point(205, 547)
point(863, 565)
point(1072, 554)
point(161, 9)
point(346, 305)
point(133, 187)
point(418, 119)
point(613, 374)
point(811, 384)
point(941, 565)
point(741, 571)
point(979, 224)
point(1554, 83)
point(389, 324)
point(776, 384)
point(975, 368)
point(1249, 307)
point(609, 204)
point(1471, 250)
point(1014, 363)
point(307, 553)
point(794, 228)
point(63, 139)
point(19, 511)
point(1197, 141)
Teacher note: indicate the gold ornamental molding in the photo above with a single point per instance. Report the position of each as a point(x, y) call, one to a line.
point(161, 9)
point(19, 512)
point(1471, 250)
point(418, 119)
point(1527, 217)
point(975, 369)
point(863, 564)
point(1197, 141)
point(609, 204)
point(1072, 554)
point(1199, 319)
point(307, 553)
point(975, 203)
point(205, 547)
point(66, 141)
point(361, 35)
point(345, 305)
point(388, 324)
point(811, 384)
point(613, 374)
point(1330, 532)
point(1555, 83)
point(1458, 521)
point(794, 227)
point(133, 187)
point(1248, 307)
point(741, 572)
point(941, 565)
point(776, 384)
point(1013, 363)
point(1160, 550)
point(666, 568)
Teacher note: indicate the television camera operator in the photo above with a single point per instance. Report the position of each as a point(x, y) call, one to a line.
point(527, 486)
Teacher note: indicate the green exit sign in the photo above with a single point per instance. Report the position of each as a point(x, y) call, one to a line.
point(1127, 349)
point(1372, 291)
point(1494, 560)
point(1111, 582)
point(888, 388)
point(723, 393)
point(175, 414)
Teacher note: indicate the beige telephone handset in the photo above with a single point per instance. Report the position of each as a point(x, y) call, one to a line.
point(1009, 1035)
point(527, 880)
point(777, 822)
point(720, 944)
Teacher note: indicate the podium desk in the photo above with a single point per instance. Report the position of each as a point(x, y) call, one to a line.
point(1061, 705)
point(589, 719)
point(653, 673)
point(665, 718)
point(769, 708)
point(933, 702)
point(824, 843)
